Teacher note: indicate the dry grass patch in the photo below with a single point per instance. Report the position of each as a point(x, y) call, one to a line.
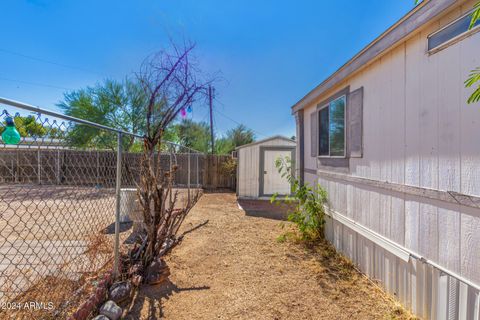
point(342, 282)
point(246, 267)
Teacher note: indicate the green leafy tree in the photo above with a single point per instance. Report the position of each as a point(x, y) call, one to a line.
point(224, 145)
point(120, 105)
point(29, 127)
point(193, 134)
point(240, 135)
point(234, 138)
point(172, 134)
point(55, 133)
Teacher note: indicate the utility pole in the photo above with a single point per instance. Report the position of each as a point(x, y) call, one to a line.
point(210, 98)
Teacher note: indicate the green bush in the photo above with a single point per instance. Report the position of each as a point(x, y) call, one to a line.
point(307, 203)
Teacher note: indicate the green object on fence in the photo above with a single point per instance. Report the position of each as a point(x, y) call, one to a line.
point(10, 135)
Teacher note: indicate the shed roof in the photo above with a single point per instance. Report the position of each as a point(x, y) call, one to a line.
point(416, 18)
point(265, 140)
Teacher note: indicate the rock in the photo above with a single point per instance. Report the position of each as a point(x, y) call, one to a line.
point(167, 244)
point(157, 272)
point(120, 291)
point(100, 317)
point(111, 310)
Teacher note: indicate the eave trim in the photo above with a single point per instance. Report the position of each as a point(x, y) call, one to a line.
point(413, 20)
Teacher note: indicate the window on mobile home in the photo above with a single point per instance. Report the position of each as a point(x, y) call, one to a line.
point(331, 123)
point(450, 32)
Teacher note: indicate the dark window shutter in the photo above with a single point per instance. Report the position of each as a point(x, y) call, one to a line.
point(314, 134)
point(355, 123)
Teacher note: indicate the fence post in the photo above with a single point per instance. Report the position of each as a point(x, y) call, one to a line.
point(17, 168)
point(13, 170)
point(39, 167)
point(98, 169)
point(57, 169)
point(206, 170)
point(198, 182)
point(116, 268)
point(188, 178)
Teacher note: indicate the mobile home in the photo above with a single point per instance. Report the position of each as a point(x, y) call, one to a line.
point(391, 138)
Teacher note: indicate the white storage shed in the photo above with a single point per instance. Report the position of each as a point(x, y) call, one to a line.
point(257, 176)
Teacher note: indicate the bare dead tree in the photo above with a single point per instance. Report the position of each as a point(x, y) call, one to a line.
point(172, 81)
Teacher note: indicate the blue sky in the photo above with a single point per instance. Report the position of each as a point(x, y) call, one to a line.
point(269, 53)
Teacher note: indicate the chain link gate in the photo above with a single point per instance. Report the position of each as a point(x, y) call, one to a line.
point(66, 208)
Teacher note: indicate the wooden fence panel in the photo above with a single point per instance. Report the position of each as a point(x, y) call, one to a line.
point(216, 175)
point(98, 168)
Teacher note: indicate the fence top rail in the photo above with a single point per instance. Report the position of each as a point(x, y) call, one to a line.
point(39, 110)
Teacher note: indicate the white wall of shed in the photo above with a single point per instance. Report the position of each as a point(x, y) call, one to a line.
point(248, 167)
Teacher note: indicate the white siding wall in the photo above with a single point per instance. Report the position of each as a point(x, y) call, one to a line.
point(418, 130)
point(248, 167)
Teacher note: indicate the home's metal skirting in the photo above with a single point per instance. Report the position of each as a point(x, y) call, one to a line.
point(376, 238)
point(392, 247)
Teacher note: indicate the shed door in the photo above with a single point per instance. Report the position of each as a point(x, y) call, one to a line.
point(272, 179)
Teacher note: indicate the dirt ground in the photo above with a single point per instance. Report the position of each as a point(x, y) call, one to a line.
point(55, 236)
point(237, 267)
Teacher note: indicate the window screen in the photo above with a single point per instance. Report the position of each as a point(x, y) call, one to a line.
point(453, 30)
point(323, 147)
point(337, 127)
point(331, 129)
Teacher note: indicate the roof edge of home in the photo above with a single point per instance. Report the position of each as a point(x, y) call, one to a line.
point(265, 140)
point(414, 19)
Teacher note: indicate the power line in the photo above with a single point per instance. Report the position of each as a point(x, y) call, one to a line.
point(37, 84)
point(48, 61)
point(204, 119)
point(235, 121)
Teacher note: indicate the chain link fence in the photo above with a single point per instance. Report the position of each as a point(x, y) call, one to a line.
point(68, 205)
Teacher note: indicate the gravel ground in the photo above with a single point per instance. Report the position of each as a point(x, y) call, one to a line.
point(236, 268)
